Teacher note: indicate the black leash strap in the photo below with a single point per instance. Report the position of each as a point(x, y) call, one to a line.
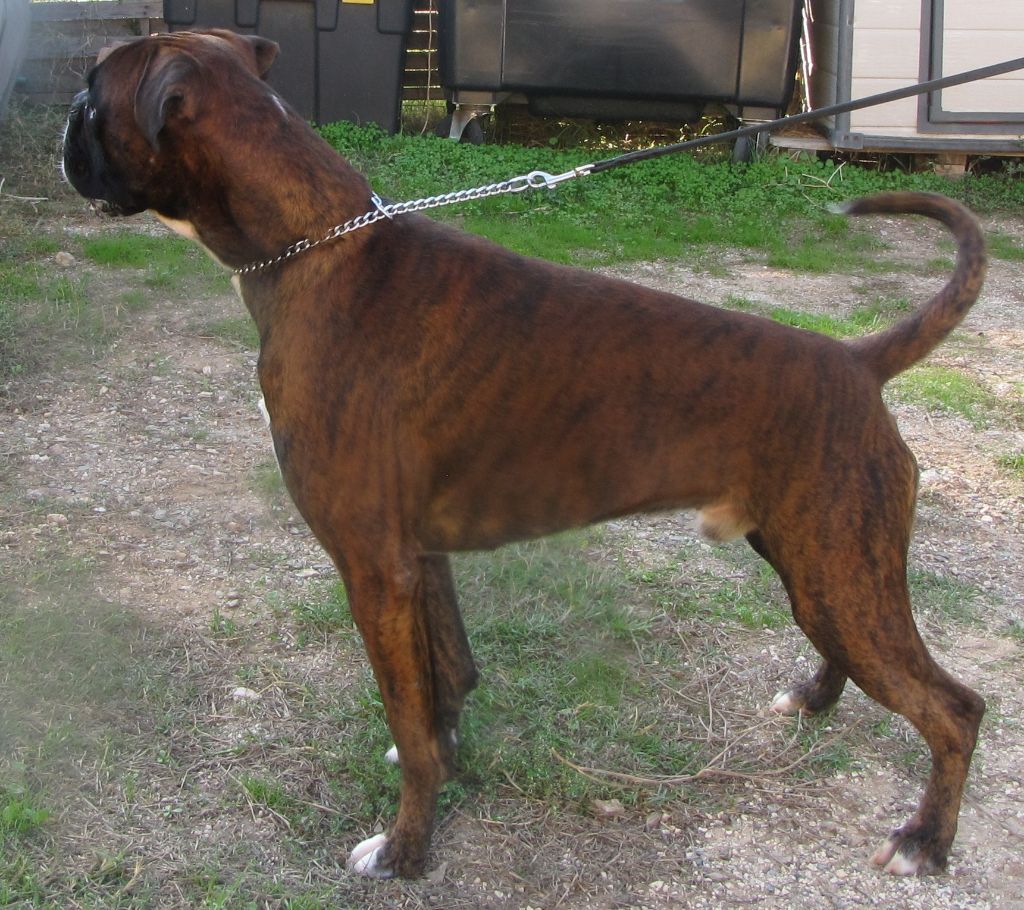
point(996, 69)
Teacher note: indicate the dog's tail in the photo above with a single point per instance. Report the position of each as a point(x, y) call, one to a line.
point(894, 350)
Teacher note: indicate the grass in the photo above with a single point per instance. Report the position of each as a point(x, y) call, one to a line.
point(949, 391)
point(236, 331)
point(1005, 247)
point(586, 662)
point(862, 320)
point(20, 815)
point(655, 208)
point(54, 314)
point(1012, 463)
point(946, 596)
point(64, 316)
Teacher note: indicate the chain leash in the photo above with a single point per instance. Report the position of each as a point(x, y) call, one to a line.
point(535, 180)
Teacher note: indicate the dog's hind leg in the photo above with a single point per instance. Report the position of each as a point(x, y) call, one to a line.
point(821, 691)
point(455, 673)
point(849, 595)
point(389, 605)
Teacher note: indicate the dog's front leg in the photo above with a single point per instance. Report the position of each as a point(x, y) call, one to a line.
point(387, 605)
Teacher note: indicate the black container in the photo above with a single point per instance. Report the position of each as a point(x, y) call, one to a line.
point(622, 58)
point(339, 60)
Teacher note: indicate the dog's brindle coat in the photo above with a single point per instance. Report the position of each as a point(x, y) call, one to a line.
point(430, 392)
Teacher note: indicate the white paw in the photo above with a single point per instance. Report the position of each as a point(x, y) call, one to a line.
point(784, 703)
point(901, 865)
point(894, 862)
point(363, 860)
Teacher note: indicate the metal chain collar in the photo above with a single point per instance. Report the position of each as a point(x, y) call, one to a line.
point(533, 181)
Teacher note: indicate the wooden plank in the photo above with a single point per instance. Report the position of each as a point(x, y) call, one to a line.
point(992, 15)
point(98, 9)
point(887, 54)
point(993, 98)
point(57, 40)
point(66, 36)
point(62, 50)
point(889, 14)
point(964, 50)
point(882, 116)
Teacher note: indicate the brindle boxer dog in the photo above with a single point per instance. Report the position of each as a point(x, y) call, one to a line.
point(430, 392)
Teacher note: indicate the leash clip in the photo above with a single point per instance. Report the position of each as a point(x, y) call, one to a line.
point(537, 179)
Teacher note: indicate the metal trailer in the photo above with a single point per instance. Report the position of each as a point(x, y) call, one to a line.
point(619, 59)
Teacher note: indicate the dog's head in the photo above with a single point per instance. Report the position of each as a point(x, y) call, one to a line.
point(135, 136)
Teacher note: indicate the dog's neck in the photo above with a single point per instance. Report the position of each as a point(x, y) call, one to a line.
point(252, 219)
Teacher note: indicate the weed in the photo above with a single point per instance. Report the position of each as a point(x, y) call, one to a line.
point(1003, 246)
point(20, 814)
point(266, 480)
point(222, 626)
point(236, 331)
point(861, 321)
point(735, 302)
point(751, 599)
point(948, 596)
point(325, 613)
point(951, 391)
point(1014, 463)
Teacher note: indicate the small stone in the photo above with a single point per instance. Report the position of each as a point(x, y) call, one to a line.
point(244, 694)
point(608, 808)
point(64, 260)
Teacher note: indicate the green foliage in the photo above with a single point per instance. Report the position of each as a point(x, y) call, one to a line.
point(324, 613)
point(949, 596)
point(952, 391)
point(860, 321)
point(651, 208)
point(237, 331)
point(1014, 463)
point(31, 293)
point(20, 814)
point(1001, 246)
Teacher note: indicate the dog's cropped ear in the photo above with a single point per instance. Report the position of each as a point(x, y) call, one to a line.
point(261, 52)
point(265, 52)
point(168, 90)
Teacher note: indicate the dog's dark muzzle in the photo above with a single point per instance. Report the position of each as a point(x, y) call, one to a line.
point(85, 165)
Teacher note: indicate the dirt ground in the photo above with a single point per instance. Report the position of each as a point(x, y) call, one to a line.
point(146, 465)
